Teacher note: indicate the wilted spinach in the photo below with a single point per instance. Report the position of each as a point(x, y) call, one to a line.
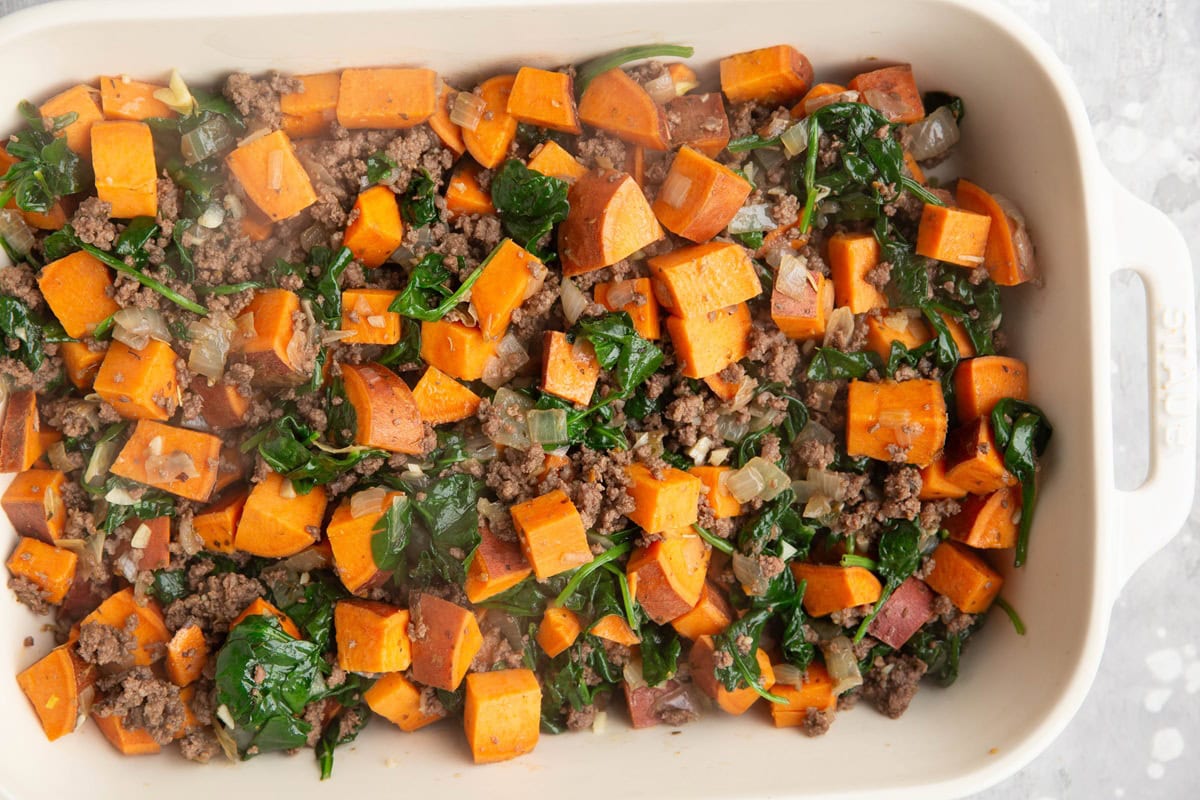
point(1022, 433)
point(530, 204)
point(389, 537)
point(899, 556)
point(426, 296)
point(46, 168)
point(418, 205)
point(290, 447)
point(18, 323)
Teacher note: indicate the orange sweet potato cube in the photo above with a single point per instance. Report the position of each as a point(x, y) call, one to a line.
point(711, 614)
point(851, 257)
point(502, 285)
point(980, 383)
point(704, 278)
point(636, 298)
point(545, 99)
point(371, 637)
point(309, 113)
point(81, 101)
point(187, 653)
point(698, 198)
point(699, 121)
point(903, 422)
point(710, 342)
point(892, 91)
point(667, 575)
point(953, 235)
point(549, 158)
point(832, 588)
point(963, 576)
point(446, 129)
point(559, 629)
point(455, 349)
point(262, 608)
point(57, 687)
point(21, 442)
point(804, 318)
point(271, 176)
point(569, 370)
point(51, 569)
point(128, 741)
point(614, 628)
point(702, 659)
point(446, 639)
point(266, 328)
point(987, 522)
point(397, 700)
point(816, 692)
point(497, 566)
point(149, 629)
point(81, 363)
point(902, 325)
point(365, 314)
point(375, 229)
point(177, 460)
point(389, 98)
point(502, 714)
point(464, 194)
point(78, 289)
point(34, 504)
point(350, 538)
point(720, 499)
point(935, 486)
point(121, 97)
point(610, 219)
point(666, 503)
point(385, 411)
point(224, 407)
point(551, 534)
point(217, 523)
point(973, 461)
point(777, 75)
point(140, 384)
point(276, 521)
point(441, 399)
point(126, 175)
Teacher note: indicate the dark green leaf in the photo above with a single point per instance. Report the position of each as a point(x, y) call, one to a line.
point(620, 347)
point(169, 585)
point(750, 239)
point(660, 649)
point(46, 169)
point(829, 364)
point(1022, 433)
point(417, 205)
point(390, 537)
point(309, 605)
point(935, 100)
point(287, 444)
point(744, 144)
point(530, 204)
point(426, 296)
point(18, 324)
point(447, 509)
point(381, 168)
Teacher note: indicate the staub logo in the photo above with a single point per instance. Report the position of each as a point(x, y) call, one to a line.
point(1176, 374)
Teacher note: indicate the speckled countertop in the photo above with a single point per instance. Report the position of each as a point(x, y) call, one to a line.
point(1137, 64)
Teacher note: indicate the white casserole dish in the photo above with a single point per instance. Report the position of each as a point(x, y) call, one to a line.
point(1026, 136)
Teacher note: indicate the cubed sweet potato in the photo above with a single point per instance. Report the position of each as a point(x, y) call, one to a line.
point(935, 486)
point(51, 569)
point(704, 278)
point(140, 384)
point(121, 97)
point(980, 383)
point(1006, 264)
point(82, 363)
point(613, 628)
point(59, 687)
point(502, 714)
point(271, 176)
point(896, 421)
point(892, 91)
point(78, 288)
point(551, 534)
point(778, 75)
point(371, 637)
point(397, 700)
point(549, 158)
point(309, 112)
point(559, 629)
point(492, 136)
point(464, 194)
point(851, 257)
point(669, 503)
point(953, 235)
point(266, 328)
point(446, 129)
point(973, 461)
point(545, 99)
point(833, 588)
point(446, 639)
point(709, 343)
point(365, 315)
point(223, 406)
point(702, 659)
point(375, 229)
point(711, 614)
point(386, 413)
point(616, 103)
point(901, 325)
point(262, 608)
point(609, 219)
point(804, 318)
point(149, 630)
point(350, 538)
point(217, 523)
point(390, 98)
point(720, 499)
point(126, 175)
point(507, 275)
point(699, 121)
point(569, 369)
point(187, 654)
point(667, 575)
point(441, 399)
point(20, 433)
point(455, 349)
point(277, 522)
point(963, 576)
point(177, 460)
point(987, 522)
point(497, 566)
point(816, 692)
point(636, 298)
point(643, 702)
point(80, 100)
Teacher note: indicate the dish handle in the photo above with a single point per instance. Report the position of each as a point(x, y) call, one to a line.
point(1149, 244)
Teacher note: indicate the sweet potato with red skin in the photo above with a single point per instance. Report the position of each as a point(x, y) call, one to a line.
point(455, 349)
point(935, 486)
point(464, 194)
point(187, 654)
point(375, 229)
point(263, 608)
point(371, 637)
point(310, 112)
point(987, 522)
point(81, 100)
point(551, 534)
point(720, 499)
point(139, 384)
point(973, 461)
point(851, 257)
point(124, 98)
point(441, 399)
point(609, 219)
point(263, 339)
point(1000, 257)
point(702, 659)
point(559, 629)
point(148, 453)
point(963, 576)
point(276, 525)
point(447, 130)
point(616, 103)
point(667, 575)
point(980, 383)
point(497, 566)
point(699, 121)
point(224, 407)
point(953, 235)
point(709, 343)
point(488, 143)
point(892, 91)
point(833, 588)
point(636, 298)
point(773, 76)
point(662, 504)
point(51, 569)
point(502, 714)
point(569, 370)
point(365, 314)
point(815, 692)
point(501, 287)
point(59, 687)
point(703, 278)
point(699, 196)
point(614, 628)
point(896, 421)
point(397, 700)
point(544, 99)
point(34, 504)
point(390, 98)
point(643, 701)
point(217, 522)
point(445, 641)
point(908, 608)
point(350, 539)
point(150, 631)
point(804, 318)
point(272, 177)
point(909, 329)
point(78, 288)
point(126, 175)
point(20, 444)
point(386, 413)
point(711, 614)
point(549, 158)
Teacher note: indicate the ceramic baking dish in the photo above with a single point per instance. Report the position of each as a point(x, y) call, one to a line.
point(1027, 137)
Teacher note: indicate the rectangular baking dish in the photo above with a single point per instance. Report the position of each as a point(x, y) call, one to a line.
point(1026, 136)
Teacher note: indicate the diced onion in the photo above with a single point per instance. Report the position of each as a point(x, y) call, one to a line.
point(467, 110)
point(211, 338)
point(755, 217)
point(15, 232)
point(141, 537)
point(774, 479)
point(547, 426)
point(52, 503)
point(815, 432)
point(817, 103)
point(173, 465)
point(102, 458)
point(57, 454)
point(494, 513)
point(840, 326)
point(661, 88)
point(674, 190)
point(177, 97)
point(842, 665)
point(632, 672)
point(933, 136)
point(699, 451)
point(731, 427)
point(505, 363)
point(368, 501)
point(600, 723)
point(135, 327)
point(206, 140)
point(745, 485)
point(119, 496)
point(788, 675)
point(749, 573)
point(479, 447)
point(127, 567)
point(768, 157)
point(511, 408)
point(719, 456)
point(189, 540)
point(795, 139)
point(818, 506)
point(793, 277)
point(287, 490)
point(574, 301)
point(212, 217)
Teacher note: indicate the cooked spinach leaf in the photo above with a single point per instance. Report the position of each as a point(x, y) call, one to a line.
point(660, 649)
point(18, 324)
point(418, 206)
point(1022, 433)
point(290, 447)
point(830, 364)
point(530, 204)
point(390, 535)
point(588, 70)
point(46, 168)
point(426, 296)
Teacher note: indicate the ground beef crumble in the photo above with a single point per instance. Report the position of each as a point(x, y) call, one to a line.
point(891, 686)
point(143, 701)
